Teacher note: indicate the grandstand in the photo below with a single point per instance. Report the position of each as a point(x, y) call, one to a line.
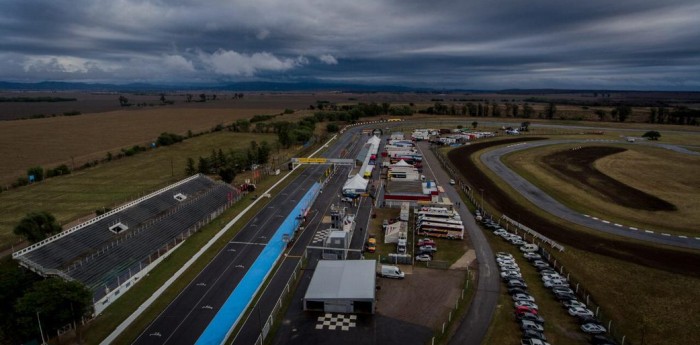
point(107, 251)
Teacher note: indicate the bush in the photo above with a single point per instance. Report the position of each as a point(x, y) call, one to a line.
point(166, 139)
point(332, 128)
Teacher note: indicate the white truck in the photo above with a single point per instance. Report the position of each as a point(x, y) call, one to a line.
point(391, 272)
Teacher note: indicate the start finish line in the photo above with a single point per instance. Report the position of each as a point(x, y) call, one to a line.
point(337, 161)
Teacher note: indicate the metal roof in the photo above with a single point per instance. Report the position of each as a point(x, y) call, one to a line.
point(343, 279)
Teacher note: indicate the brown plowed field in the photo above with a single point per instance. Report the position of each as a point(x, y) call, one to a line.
point(577, 166)
point(668, 259)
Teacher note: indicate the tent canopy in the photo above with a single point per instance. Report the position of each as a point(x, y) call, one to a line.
point(357, 182)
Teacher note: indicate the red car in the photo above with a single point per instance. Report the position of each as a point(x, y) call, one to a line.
point(523, 309)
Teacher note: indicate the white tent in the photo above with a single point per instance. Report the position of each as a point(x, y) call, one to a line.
point(401, 163)
point(374, 140)
point(357, 184)
point(395, 231)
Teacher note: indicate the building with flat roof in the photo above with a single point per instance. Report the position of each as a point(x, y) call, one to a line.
point(342, 286)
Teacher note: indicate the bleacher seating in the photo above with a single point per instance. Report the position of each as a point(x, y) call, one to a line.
point(95, 255)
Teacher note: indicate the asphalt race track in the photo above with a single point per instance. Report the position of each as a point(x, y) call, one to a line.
point(492, 159)
point(188, 315)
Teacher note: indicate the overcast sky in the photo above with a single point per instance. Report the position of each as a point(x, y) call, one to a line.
point(479, 44)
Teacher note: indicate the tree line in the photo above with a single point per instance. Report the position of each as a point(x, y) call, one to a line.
point(230, 163)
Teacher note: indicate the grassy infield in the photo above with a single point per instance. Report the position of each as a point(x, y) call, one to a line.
point(646, 304)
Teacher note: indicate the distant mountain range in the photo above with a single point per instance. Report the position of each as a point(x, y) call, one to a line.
point(304, 86)
point(243, 86)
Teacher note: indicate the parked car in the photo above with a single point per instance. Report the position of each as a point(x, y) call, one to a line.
point(579, 311)
point(533, 342)
point(551, 276)
point(522, 310)
point(526, 324)
point(555, 282)
point(499, 232)
point(522, 297)
point(532, 256)
point(423, 257)
point(514, 290)
point(526, 304)
point(561, 289)
point(573, 303)
point(531, 317)
point(548, 271)
point(517, 242)
point(592, 328)
point(426, 242)
point(510, 275)
point(507, 261)
point(510, 268)
point(452, 181)
point(371, 244)
point(504, 255)
point(587, 319)
point(427, 248)
point(511, 283)
point(564, 296)
point(540, 264)
point(530, 334)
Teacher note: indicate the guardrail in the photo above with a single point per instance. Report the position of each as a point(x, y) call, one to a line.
point(98, 218)
point(534, 233)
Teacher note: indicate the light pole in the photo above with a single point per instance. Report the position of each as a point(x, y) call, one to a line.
point(43, 341)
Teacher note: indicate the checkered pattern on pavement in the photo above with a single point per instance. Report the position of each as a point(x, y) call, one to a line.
point(334, 322)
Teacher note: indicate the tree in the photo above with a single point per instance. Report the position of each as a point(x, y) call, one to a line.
point(600, 113)
point(525, 126)
point(623, 112)
point(123, 101)
point(188, 97)
point(190, 169)
point(332, 128)
point(550, 110)
point(58, 302)
point(162, 98)
point(514, 110)
point(652, 135)
point(203, 167)
point(202, 97)
point(36, 226)
point(37, 172)
point(227, 174)
point(528, 111)
point(474, 124)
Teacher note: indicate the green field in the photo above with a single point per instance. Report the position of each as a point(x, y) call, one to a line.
point(110, 184)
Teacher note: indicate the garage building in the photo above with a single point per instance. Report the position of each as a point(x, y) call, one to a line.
point(342, 286)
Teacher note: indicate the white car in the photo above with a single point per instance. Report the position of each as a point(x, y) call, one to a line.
point(500, 232)
point(528, 304)
point(593, 328)
point(423, 257)
point(532, 256)
point(452, 181)
point(550, 277)
point(347, 199)
point(556, 282)
point(511, 274)
point(510, 268)
point(523, 297)
point(504, 255)
point(526, 324)
point(580, 311)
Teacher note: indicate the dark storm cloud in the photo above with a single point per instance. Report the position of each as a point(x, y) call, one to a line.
point(470, 44)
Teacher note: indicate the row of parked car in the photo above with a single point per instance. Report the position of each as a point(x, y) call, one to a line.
point(525, 307)
point(526, 310)
point(426, 248)
point(562, 291)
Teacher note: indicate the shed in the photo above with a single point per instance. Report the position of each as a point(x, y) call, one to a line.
point(342, 286)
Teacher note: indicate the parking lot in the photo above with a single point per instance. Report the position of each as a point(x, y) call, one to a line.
point(562, 320)
point(424, 297)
